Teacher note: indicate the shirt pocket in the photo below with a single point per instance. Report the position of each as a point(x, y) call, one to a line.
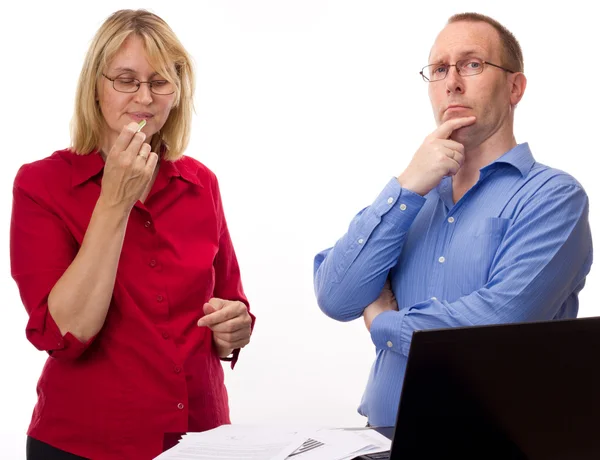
point(478, 251)
point(491, 228)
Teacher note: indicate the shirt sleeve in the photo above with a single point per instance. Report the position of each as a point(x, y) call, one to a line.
point(351, 275)
point(228, 281)
point(542, 262)
point(41, 249)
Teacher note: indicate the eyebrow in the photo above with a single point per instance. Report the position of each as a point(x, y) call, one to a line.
point(462, 55)
point(127, 69)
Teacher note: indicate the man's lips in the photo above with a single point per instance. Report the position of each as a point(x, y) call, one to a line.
point(456, 107)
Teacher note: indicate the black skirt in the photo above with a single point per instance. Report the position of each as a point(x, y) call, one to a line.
point(38, 450)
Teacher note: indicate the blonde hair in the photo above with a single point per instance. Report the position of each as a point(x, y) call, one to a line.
point(168, 57)
point(511, 49)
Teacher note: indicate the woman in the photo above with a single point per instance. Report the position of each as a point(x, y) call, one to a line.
point(122, 256)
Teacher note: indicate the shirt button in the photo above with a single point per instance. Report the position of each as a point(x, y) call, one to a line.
point(177, 369)
point(390, 344)
point(165, 335)
point(159, 298)
point(180, 406)
point(434, 298)
point(147, 224)
point(402, 207)
point(153, 263)
point(451, 220)
point(442, 260)
point(390, 200)
point(361, 241)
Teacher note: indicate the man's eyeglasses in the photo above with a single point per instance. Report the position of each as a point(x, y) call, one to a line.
point(464, 67)
point(131, 85)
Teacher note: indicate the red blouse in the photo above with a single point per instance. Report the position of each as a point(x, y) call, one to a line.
point(150, 370)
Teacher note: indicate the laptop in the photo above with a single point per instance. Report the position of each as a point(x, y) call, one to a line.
point(514, 391)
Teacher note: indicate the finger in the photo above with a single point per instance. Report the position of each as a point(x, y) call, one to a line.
point(237, 344)
point(217, 317)
point(135, 145)
point(151, 163)
point(240, 334)
point(214, 304)
point(226, 313)
point(459, 158)
point(454, 155)
point(387, 289)
point(453, 167)
point(239, 323)
point(125, 137)
point(218, 303)
point(208, 309)
point(452, 145)
point(445, 130)
point(144, 153)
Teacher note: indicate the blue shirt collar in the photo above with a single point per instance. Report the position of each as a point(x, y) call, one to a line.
point(519, 157)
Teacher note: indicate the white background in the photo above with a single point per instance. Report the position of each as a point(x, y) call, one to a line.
point(304, 110)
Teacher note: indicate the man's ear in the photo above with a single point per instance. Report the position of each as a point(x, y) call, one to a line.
point(518, 83)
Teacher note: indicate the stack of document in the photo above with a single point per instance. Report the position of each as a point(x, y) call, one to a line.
point(251, 442)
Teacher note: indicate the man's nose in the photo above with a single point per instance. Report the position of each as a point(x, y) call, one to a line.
point(454, 81)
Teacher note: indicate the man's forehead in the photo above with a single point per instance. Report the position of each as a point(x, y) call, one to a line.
point(466, 38)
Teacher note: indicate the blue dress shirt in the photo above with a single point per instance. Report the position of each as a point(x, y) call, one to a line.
point(516, 247)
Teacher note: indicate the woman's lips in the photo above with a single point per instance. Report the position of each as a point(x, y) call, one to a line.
point(139, 116)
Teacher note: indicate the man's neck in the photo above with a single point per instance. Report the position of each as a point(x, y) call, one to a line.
point(477, 157)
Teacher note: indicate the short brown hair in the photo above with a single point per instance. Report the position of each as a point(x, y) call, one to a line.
point(165, 53)
point(512, 53)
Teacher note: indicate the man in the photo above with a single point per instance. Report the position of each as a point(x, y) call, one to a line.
point(474, 231)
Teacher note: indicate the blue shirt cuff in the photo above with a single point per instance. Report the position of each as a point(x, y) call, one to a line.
point(387, 332)
point(397, 205)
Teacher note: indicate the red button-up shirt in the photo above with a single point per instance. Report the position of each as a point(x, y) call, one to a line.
point(150, 370)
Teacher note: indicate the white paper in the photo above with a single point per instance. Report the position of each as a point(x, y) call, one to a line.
point(236, 442)
point(376, 443)
point(335, 444)
point(251, 442)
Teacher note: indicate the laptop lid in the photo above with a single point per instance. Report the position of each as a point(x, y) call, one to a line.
point(514, 391)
